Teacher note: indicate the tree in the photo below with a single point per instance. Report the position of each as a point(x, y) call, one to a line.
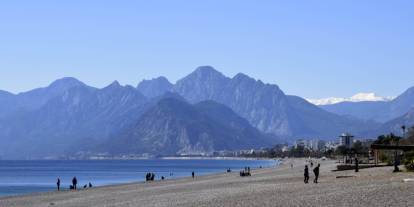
point(359, 148)
point(388, 139)
point(341, 150)
point(409, 161)
point(410, 136)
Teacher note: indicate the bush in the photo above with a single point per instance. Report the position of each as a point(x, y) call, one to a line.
point(409, 161)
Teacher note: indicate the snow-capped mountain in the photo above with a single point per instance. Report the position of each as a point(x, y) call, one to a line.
point(360, 97)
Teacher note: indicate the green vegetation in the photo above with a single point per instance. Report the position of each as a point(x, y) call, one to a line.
point(388, 139)
point(409, 161)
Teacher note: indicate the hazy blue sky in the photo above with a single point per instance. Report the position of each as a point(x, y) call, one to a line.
point(309, 48)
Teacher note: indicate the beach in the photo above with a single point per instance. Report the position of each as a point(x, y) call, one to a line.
point(280, 186)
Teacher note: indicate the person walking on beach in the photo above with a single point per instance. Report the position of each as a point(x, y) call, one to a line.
point(74, 182)
point(356, 165)
point(193, 175)
point(306, 174)
point(316, 172)
point(58, 184)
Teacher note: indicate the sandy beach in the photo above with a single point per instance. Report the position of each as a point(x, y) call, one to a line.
point(281, 186)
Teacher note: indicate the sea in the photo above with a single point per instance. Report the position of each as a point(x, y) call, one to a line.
point(30, 176)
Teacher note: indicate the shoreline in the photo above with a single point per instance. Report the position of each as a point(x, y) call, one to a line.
point(218, 158)
point(276, 163)
point(369, 187)
point(150, 158)
point(130, 183)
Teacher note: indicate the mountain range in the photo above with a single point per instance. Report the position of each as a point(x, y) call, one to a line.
point(199, 114)
point(360, 97)
point(173, 126)
point(379, 111)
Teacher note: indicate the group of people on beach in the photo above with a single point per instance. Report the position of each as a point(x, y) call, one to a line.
point(245, 172)
point(74, 184)
point(315, 172)
point(150, 177)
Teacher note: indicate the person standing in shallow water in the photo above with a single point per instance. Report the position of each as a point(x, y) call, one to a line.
point(58, 184)
point(306, 174)
point(74, 182)
point(316, 172)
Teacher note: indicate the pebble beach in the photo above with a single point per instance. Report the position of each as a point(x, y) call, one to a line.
point(279, 186)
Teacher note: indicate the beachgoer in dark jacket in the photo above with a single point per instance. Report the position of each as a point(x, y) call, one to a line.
point(74, 182)
point(356, 165)
point(306, 174)
point(58, 184)
point(316, 172)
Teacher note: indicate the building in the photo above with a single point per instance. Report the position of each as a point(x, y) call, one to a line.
point(331, 145)
point(301, 143)
point(346, 140)
point(316, 145)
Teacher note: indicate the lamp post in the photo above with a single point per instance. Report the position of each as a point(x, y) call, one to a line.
point(396, 160)
point(403, 128)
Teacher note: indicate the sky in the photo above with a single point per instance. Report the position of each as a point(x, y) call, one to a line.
point(310, 48)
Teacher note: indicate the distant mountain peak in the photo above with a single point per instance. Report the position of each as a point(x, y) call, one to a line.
point(207, 71)
point(206, 68)
point(242, 76)
point(161, 80)
point(115, 84)
point(359, 97)
point(155, 87)
point(66, 82)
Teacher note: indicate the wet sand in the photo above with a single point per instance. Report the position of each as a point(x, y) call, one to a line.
point(281, 186)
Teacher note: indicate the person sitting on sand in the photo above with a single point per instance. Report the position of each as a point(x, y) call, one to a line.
point(193, 175)
point(58, 184)
point(90, 185)
point(306, 174)
point(316, 172)
point(74, 182)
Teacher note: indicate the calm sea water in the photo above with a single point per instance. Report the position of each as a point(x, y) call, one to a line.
point(22, 177)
